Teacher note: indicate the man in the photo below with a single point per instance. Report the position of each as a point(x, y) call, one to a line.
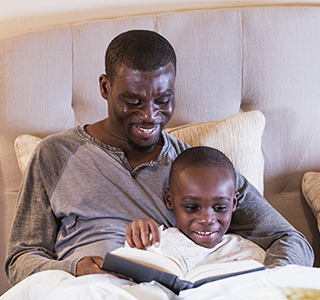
point(85, 185)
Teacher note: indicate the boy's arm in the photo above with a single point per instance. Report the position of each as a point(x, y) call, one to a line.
point(256, 220)
point(138, 233)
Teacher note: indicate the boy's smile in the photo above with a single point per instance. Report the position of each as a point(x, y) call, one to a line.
point(203, 200)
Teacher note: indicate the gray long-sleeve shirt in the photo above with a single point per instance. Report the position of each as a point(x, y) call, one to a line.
point(78, 195)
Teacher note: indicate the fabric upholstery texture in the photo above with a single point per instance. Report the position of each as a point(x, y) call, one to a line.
point(24, 147)
point(311, 191)
point(238, 137)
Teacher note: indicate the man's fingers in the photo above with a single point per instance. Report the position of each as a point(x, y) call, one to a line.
point(98, 261)
point(89, 265)
point(92, 265)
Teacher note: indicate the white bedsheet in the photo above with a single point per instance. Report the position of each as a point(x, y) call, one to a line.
point(267, 284)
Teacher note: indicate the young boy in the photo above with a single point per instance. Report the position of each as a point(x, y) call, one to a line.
point(202, 196)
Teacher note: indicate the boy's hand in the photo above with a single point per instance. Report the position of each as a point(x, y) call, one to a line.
point(138, 233)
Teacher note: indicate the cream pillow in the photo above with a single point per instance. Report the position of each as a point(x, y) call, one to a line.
point(311, 191)
point(238, 137)
point(24, 146)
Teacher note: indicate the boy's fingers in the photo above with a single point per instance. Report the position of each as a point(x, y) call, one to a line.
point(137, 228)
point(138, 233)
point(128, 235)
point(144, 234)
point(155, 234)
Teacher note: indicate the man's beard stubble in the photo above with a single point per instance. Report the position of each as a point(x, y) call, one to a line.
point(139, 148)
point(144, 149)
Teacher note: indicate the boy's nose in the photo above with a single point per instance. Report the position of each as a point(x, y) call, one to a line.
point(206, 217)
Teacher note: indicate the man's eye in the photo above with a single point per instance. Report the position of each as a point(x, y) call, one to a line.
point(163, 100)
point(133, 101)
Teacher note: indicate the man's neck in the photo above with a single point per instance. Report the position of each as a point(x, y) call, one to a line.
point(135, 157)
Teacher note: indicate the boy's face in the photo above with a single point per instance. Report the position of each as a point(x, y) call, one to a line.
point(203, 200)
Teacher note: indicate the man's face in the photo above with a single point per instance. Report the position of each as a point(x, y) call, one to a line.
point(140, 104)
point(203, 200)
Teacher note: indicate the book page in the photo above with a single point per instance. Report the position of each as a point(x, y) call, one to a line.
point(150, 259)
point(218, 269)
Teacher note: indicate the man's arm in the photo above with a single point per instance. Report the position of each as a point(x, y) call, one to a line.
point(256, 220)
point(34, 229)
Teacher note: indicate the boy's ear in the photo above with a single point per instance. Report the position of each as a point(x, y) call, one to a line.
point(168, 199)
point(235, 200)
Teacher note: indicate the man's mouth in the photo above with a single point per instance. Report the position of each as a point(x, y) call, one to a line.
point(147, 130)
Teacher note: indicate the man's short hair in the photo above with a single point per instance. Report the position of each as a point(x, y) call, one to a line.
point(199, 157)
point(141, 50)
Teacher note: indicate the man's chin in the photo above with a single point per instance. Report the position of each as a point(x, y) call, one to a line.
point(145, 145)
point(141, 148)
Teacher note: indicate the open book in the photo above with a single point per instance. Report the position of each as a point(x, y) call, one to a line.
point(151, 264)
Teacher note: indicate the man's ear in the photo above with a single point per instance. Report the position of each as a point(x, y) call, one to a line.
point(104, 86)
point(235, 200)
point(168, 199)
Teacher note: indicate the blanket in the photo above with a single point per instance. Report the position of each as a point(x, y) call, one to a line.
point(289, 282)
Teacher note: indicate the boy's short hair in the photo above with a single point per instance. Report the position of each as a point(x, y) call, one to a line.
point(198, 157)
point(142, 50)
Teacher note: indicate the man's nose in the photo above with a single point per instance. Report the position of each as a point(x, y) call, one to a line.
point(206, 217)
point(149, 113)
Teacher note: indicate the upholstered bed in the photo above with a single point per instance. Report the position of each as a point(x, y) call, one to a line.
point(250, 75)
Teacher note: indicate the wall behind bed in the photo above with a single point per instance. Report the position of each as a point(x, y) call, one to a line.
point(20, 15)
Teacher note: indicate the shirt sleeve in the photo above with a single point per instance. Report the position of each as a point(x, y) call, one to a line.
point(256, 220)
point(34, 230)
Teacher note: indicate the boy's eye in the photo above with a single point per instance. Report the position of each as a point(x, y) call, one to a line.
point(220, 208)
point(191, 208)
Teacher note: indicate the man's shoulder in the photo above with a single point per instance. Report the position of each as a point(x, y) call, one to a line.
point(59, 144)
point(68, 137)
point(175, 143)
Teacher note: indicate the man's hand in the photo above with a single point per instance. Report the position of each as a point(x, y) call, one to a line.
point(92, 265)
point(138, 234)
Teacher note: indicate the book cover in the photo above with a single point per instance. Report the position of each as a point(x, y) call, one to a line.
point(142, 267)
